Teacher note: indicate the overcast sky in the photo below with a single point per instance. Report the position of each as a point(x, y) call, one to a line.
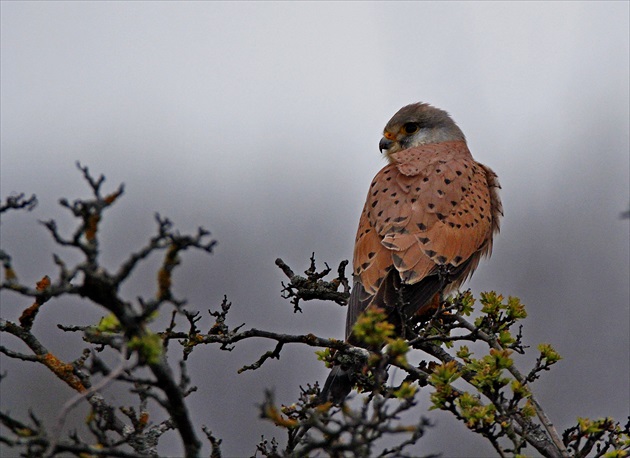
point(261, 122)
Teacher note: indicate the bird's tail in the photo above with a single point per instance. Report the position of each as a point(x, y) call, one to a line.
point(337, 386)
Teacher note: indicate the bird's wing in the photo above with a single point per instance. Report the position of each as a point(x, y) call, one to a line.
point(432, 207)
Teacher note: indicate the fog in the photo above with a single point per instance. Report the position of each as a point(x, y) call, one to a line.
point(261, 122)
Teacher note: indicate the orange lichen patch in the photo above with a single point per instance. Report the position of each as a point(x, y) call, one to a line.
point(110, 199)
point(62, 370)
point(143, 420)
point(90, 455)
point(43, 283)
point(164, 283)
point(323, 408)
point(28, 315)
point(274, 415)
point(164, 274)
point(92, 227)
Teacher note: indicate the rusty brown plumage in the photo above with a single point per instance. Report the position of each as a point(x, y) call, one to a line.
point(429, 217)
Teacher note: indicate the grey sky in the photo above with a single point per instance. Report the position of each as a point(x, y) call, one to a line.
point(261, 122)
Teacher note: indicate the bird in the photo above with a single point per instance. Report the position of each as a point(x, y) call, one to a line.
point(430, 215)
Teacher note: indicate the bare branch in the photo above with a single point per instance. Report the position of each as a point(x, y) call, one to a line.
point(18, 202)
point(71, 403)
point(313, 286)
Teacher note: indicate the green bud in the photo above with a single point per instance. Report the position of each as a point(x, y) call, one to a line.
point(149, 346)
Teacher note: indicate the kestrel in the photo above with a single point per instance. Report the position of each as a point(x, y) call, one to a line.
point(429, 218)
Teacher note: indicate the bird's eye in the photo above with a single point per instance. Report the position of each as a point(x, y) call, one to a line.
point(410, 128)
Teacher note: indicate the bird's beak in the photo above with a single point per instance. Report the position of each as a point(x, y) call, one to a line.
point(387, 141)
point(385, 144)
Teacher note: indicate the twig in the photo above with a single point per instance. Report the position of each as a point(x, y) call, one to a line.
point(542, 416)
point(18, 202)
point(71, 403)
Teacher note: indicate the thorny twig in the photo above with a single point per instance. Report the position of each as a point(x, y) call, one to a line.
point(313, 286)
point(18, 202)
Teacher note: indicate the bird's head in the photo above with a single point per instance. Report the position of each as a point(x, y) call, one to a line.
point(418, 124)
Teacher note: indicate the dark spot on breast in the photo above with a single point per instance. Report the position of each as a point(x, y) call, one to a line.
point(447, 181)
point(375, 203)
point(373, 184)
point(388, 219)
point(385, 189)
point(463, 189)
point(451, 224)
point(459, 226)
point(457, 259)
point(453, 203)
point(365, 265)
point(459, 173)
point(421, 226)
point(394, 194)
point(440, 192)
point(375, 193)
point(424, 240)
point(425, 179)
point(431, 206)
point(440, 216)
point(388, 178)
point(438, 170)
point(371, 254)
point(430, 253)
point(441, 259)
point(379, 213)
point(400, 219)
point(413, 201)
point(396, 202)
point(417, 188)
